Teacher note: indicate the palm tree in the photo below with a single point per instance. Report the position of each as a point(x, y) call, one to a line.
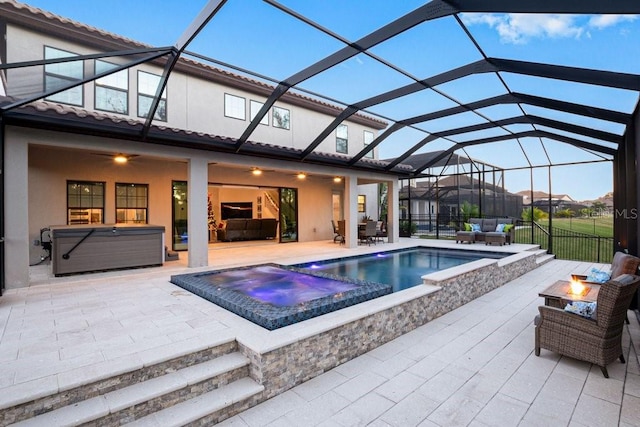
point(467, 210)
point(534, 215)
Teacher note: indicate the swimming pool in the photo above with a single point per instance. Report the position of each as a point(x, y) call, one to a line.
point(402, 268)
point(273, 296)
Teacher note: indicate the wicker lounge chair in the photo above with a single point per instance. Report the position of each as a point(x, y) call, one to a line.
point(622, 263)
point(598, 340)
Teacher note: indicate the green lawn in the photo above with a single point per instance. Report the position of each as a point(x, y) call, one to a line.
point(600, 226)
point(581, 248)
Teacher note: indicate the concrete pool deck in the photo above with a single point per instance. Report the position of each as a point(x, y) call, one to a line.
point(474, 364)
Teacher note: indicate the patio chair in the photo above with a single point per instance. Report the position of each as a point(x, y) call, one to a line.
point(367, 232)
point(597, 339)
point(622, 263)
point(381, 231)
point(342, 231)
point(336, 232)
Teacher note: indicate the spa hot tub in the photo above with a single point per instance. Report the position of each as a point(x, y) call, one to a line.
point(100, 247)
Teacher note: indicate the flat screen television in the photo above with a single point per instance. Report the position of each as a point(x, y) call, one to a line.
point(236, 210)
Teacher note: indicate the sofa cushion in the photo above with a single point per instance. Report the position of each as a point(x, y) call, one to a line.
point(476, 227)
point(489, 224)
point(236, 224)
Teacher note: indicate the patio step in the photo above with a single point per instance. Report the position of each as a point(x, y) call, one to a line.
point(217, 375)
point(544, 258)
point(218, 383)
point(205, 408)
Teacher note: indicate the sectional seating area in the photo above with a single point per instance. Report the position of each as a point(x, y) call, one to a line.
point(248, 229)
point(487, 230)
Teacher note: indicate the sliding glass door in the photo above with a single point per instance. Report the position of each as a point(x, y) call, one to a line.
point(179, 215)
point(288, 215)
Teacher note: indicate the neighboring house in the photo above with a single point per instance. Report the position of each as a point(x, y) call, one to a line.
point(188, 172)
point(558, 202)
point(446, 194)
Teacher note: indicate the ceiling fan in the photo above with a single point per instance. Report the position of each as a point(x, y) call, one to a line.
point(119, 158)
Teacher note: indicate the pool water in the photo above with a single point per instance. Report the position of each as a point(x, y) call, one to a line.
point(402, 268)
point(277, 286)
point(273, 296)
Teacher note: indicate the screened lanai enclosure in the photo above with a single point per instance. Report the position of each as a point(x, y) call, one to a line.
point(482, 98)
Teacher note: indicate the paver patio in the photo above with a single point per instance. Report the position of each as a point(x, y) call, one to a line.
point(472, 366)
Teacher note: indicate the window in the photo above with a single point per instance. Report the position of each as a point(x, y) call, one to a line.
point(147, 85)
point(368, 139)
point(131, 203)
point(112, 91)
point(234, 107)
point(342, 139)
point(362, 203)
point(85, 202)
point(62, 74)
point(281, 118)
point(255, 106)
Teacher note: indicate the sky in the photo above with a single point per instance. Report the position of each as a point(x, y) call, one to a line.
point(256, 36)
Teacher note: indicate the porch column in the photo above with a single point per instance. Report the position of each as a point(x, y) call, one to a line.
point(198, 243)
point(393, 209)
point(351, 211)
point(16, 224)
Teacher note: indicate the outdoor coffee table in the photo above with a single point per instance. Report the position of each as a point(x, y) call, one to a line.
point(557, 295)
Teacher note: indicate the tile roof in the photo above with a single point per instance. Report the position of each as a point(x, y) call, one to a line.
point(121, 126)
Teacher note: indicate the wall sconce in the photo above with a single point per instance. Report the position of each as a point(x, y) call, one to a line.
point(120, 159)
point(301, 175)
point(337, 179)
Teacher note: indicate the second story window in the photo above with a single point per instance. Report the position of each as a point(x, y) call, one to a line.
point(62, 74)
point(147, 85)
point(368, 139)
point(255, 106)
point(112, 91)
point(281, 118)
point(234, 107)
point(342, 139)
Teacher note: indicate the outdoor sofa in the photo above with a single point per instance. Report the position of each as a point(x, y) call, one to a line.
point(488, 230)
point(248, 229)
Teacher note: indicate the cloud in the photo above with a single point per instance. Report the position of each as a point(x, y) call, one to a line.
point(604, 21)
point(519, 28)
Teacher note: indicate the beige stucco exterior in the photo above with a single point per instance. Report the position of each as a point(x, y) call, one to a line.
point(39, 163)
